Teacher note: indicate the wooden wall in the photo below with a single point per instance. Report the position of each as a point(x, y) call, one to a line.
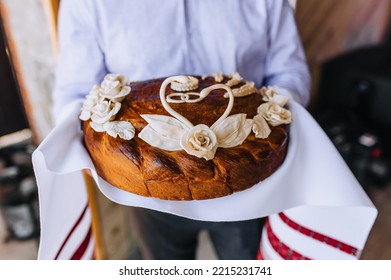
point(331, 27)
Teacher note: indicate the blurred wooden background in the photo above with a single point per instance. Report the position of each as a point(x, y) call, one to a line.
point(330, 28)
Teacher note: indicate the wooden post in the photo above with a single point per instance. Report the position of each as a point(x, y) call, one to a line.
point(51, 8)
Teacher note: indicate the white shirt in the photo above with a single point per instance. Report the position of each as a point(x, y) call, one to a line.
point(145, 39)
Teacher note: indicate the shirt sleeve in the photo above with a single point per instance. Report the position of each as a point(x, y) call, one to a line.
point(81, 62)
point(285, 64)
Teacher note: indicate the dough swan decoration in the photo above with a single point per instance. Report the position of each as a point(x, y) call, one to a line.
point(178, 133)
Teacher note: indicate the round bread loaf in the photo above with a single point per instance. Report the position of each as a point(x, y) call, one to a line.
point(137, 167)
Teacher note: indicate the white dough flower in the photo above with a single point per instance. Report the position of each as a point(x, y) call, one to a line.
point(260, 127)
point(274, 114)
point(98, 127)
point(270, 95)
point(92, 99)
point(115, 87)
point(190, 84)
point(105, 111)
point(200, 141)
point(124, 130)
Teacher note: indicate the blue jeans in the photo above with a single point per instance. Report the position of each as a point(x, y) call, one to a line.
point(169, 237)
